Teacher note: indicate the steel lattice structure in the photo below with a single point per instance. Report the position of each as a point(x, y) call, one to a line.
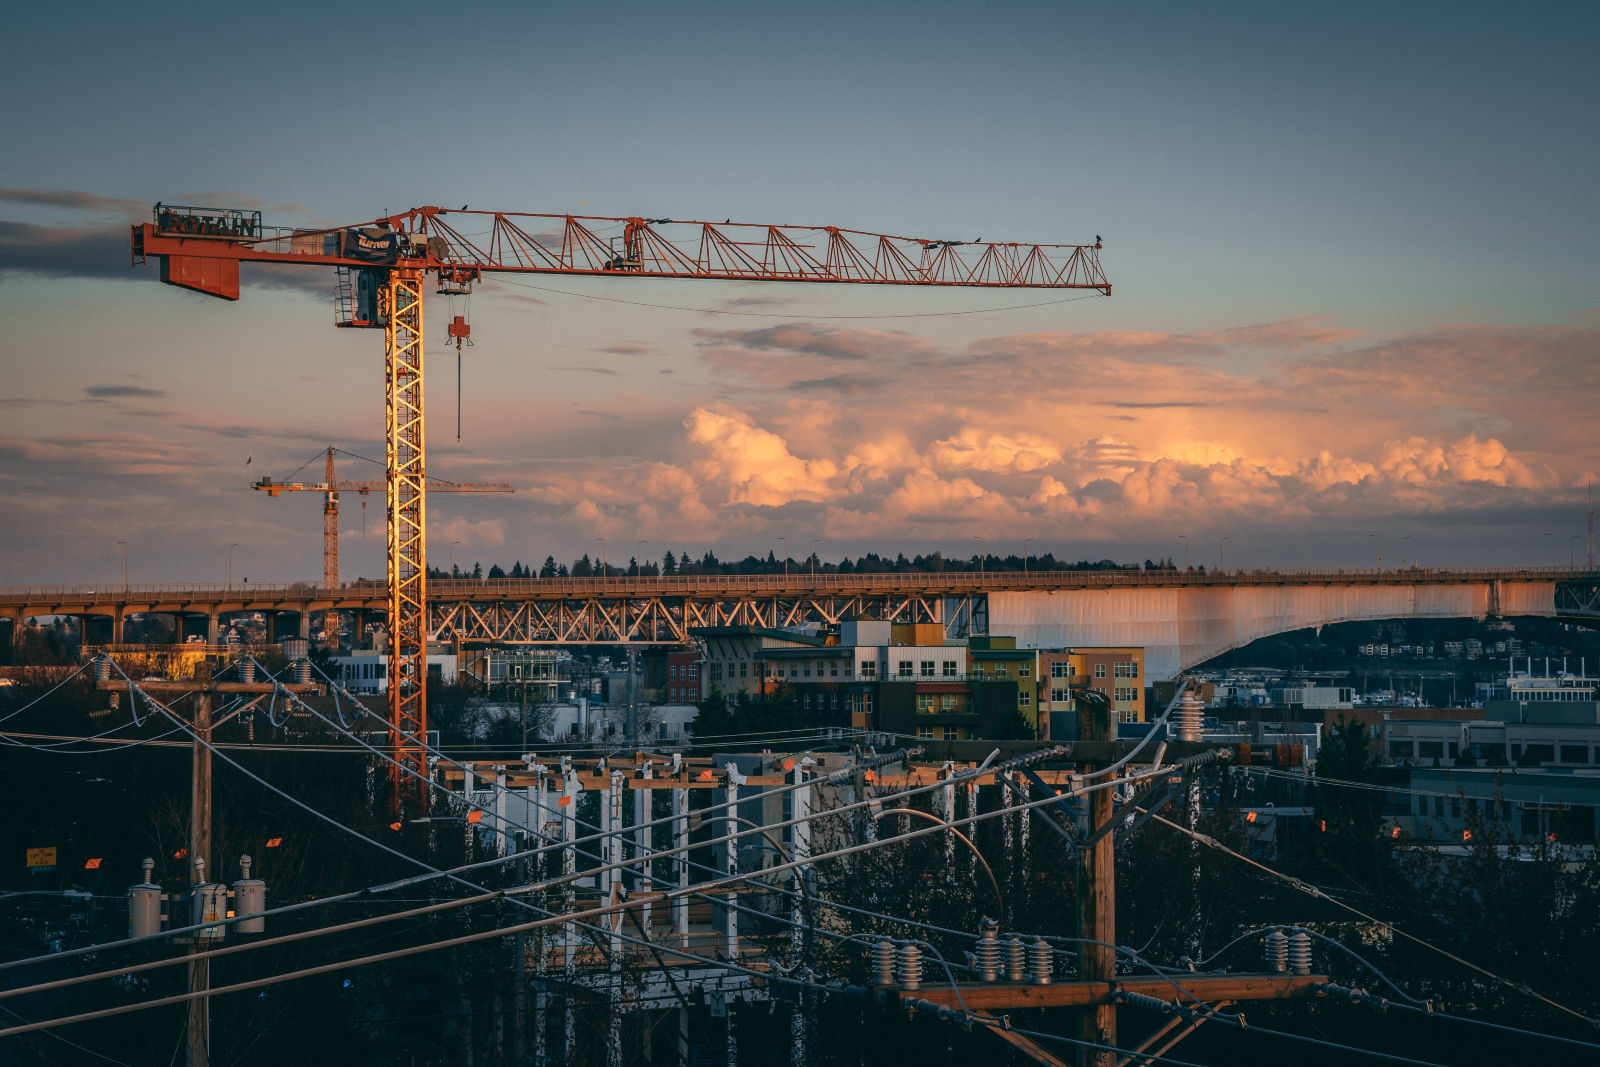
point(407, 521)
point(669, 618)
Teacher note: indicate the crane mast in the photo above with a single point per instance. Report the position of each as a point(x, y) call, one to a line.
point(201, 248)
point(330, 488)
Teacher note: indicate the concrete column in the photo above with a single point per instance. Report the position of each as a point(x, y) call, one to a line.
point(116, 624)
point(213, 619)
point(305, 621)
point(731, 934)
point(680, 863)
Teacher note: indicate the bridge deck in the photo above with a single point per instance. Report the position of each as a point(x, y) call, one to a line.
point(947, 583)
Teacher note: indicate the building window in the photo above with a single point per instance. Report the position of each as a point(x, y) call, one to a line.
point(833, 669)
point(743, 667)
point(924, 703)
point(833, 702)
point(808, 668)
point(927, 668)
point(951, 733)
point(1127, 670)
point(905, 668)
point(924, 733)
point(869, 668)
point(1430, 749)
point(1127, 693)
point(1058, 696)
point(1024, 699)
point(672, 672)
point(949, 668)
point(716, 672)
point(1455, 807)
point(694, 672)
point(1024, 670)
point(1574, 753)
point(999, 671)
point(1399, 749)
point(807, 703)
point(948, 703)
point(1100, 671)
point(1061, 670)
point(849, 666)
point(1127, 715)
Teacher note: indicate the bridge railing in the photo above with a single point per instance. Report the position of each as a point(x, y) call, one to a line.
point(792, 584)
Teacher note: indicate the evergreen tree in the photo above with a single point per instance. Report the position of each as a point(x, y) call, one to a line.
point(549, 568)
point(669, 563)
point(477, 572)
point(496, 572)
point(561, 571)
point(583, 568)
point(713, 720)
point(1350, 837)
point(780, 711)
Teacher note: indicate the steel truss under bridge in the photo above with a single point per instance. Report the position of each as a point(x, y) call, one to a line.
point(623, 619)
point(1579, 601)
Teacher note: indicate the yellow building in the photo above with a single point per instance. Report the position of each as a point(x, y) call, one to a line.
point(1116, 672)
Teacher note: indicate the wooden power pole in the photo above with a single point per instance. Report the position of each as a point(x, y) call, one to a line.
point(1097, 892)
point(199, 1038)
point(200, 867)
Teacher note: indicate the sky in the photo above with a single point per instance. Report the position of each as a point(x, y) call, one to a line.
point(1355, 305)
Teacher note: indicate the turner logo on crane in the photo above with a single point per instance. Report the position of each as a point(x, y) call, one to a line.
point(372, 245)
point(391, 258)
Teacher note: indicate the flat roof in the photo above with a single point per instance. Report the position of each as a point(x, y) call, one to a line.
point(829, 652)
point(757, 631)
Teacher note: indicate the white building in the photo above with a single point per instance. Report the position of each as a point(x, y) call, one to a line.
point(362, 671)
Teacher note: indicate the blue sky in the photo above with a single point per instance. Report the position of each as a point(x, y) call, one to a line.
point(1382, 172)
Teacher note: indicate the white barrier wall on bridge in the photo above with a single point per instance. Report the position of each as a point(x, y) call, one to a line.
point(1181, 627)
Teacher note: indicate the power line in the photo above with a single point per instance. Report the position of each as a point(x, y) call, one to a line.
point(1314, 891)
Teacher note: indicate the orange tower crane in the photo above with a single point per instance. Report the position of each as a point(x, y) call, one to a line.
point(381, 266)
point(331, 488)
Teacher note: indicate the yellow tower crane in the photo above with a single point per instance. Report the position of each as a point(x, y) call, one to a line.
point(330, 487)
point(382, 266)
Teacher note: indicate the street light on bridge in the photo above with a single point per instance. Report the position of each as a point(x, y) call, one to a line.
point(124, 545)
point(1185, 550)
point(1219, 553)
point(230, 563)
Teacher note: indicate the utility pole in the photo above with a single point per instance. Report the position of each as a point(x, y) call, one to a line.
point(1097, 901)
point(199, 1033)
point(201, 687)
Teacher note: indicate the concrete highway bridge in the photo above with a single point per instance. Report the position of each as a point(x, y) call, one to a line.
point(1180, 618)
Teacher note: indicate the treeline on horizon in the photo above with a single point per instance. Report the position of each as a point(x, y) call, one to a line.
point(674, 565)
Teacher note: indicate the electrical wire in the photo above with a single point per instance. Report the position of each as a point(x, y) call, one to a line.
point(698, 890)
point(1318, 893)
point(81, 668)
